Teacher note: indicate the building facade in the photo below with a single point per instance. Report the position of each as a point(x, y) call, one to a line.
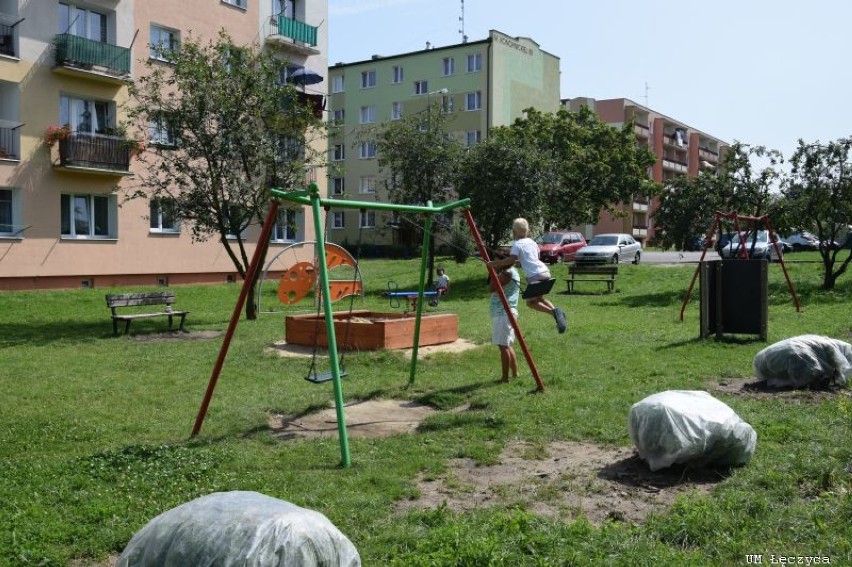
point(480, 84)
point(65, 220)
point(679, 148)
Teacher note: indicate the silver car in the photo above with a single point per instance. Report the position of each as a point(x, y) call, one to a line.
point(760, 247)
point(610, 249)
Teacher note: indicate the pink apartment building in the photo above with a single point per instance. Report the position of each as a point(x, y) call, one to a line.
point(64, 218)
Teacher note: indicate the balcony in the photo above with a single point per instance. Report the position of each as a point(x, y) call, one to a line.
point(94, 153)
point(641, 130)
point(10, 140)
point(708, 154)
point(672, 140)
point(7, 41)
point(673, 165)
point(293, 34)
point(78, 55)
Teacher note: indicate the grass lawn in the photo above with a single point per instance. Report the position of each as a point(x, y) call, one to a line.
point(94, 429)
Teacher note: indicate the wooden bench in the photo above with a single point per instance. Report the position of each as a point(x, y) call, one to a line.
point(600, 273)
point(166, 298)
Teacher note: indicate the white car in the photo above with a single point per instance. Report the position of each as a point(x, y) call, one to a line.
point(610, 249)
point(756, 249)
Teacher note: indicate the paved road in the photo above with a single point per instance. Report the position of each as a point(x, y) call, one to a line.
point(649, 257)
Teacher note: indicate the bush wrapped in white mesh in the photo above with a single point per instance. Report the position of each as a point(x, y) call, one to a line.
point(803, 361)
point(689, 427)
point(240, 528)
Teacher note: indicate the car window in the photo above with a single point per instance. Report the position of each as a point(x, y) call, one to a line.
point(604, 241)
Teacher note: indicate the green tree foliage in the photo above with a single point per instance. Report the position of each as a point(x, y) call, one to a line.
point(818, 194)
point(687, 208)
point(234, 131)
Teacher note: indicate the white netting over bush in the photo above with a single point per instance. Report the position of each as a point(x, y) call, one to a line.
point(689, 427)
point(240, 528)
point(803, 361)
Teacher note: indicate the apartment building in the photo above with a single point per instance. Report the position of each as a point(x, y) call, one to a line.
point(680, 150)
point(479, 84)
point(65, 67)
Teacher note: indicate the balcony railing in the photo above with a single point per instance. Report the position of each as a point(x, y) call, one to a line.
point(641, 130)
point(10, 143)
point(675, 165)
point(82, 53)
point(708, 154)
point(296, 30)
point(95, 151)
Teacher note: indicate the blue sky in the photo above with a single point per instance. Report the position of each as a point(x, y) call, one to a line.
point(758, 71)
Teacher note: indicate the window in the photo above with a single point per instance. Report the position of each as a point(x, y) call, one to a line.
point(87, 116)
point(421, 87)
point(337, 84)
point(339, 117)
point(286, 8)
point(368, 79)
point(368, 150)
point(449, 66)
point(397, 74)
point(473, 136)
point(338, 186)
point(163, 216)
point(473, 101)
point(286, 226)
point(88, 216)
point(447, 104)
point(474, 62)
point(338, 152)
point(396, 111)
point(238, 3)
point(163, 42)
point(82, 22)
point(161, 132)
point(367, 219)
point(10, 213)
point(235, 221)
point(368, 114)
point(337, 219)
point(367, 184)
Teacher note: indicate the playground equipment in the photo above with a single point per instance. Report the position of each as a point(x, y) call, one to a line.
point(311, 197)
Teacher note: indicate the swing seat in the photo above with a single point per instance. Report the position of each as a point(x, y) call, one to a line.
point(320, 377)
point(536, 289)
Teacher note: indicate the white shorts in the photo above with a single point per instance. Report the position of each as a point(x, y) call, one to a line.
point(502, 332)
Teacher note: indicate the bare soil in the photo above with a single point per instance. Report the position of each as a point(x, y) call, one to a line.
point(281, 348)
point(177, 336)
point(757, 389)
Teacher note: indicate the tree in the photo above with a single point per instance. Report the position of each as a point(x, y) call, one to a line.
point(687, 207)
point(418, 159)
point(227, 130)
point(818, 194)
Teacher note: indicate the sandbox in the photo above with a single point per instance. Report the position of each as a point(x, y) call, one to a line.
point(371, 330)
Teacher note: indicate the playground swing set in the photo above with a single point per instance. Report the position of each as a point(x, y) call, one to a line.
point(311, 198)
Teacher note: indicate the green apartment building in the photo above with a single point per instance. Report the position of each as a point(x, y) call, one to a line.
point(481, 84)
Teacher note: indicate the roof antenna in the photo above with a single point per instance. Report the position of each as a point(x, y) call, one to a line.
point(647, 88)
point(461, 21)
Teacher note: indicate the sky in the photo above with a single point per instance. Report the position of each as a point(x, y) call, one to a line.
point(761, 72)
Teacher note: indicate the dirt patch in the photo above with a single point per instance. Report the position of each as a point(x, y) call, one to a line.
point(572, 479)
point(281, 348)
point(757, 389)
point(177, 336)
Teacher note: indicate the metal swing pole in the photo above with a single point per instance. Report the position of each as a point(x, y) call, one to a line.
point(424, 258)
point(491, 272)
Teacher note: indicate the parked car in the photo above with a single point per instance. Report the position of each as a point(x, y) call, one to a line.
point(559, 246)
point(758, 248)
point(803, 240)
point(610, 248)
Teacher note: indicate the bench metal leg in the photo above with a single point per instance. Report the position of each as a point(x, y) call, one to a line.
point(127, 326)
point(182, 317)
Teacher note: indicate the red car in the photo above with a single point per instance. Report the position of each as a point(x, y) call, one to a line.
point(559, 246)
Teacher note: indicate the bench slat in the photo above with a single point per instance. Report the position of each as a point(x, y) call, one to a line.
point(166, 298)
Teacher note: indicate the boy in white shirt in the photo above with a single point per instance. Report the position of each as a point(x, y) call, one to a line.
point(525, 251)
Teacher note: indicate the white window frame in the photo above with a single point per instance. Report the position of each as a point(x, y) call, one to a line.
point(338, 185)
point(396, 111)
point(161, 133)
point(473, 137)
point(162, 39)
point(286, 228)
point(72, 109)
point(473, 101)
point(338, 219)
point(338, 84)
point(474, 62)
point(367, 150)
point(241, 4)
point(448, 65)
point(157, 217)
point(10, 209)
point(366, 219)
point(368, 79)
point(367, 185)
point(448, 104)
point(398, 74)
point(367, 114)
point(338, 152)
point(339, 117)
point(90, 199)
point(79, 21)
point(421, 87)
